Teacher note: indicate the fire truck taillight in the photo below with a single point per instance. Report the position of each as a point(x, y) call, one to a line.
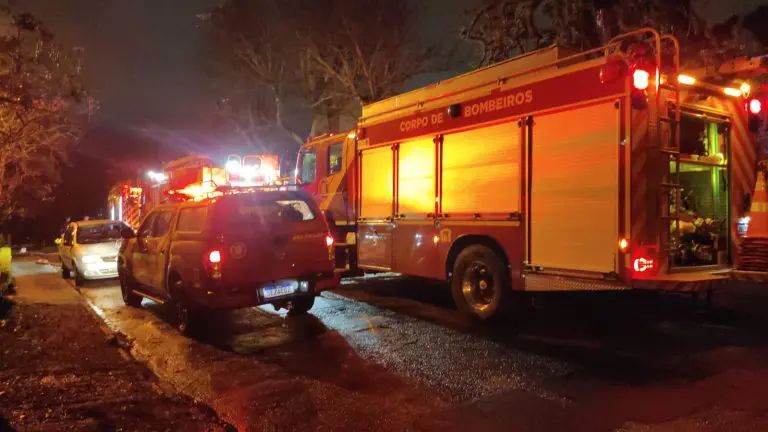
point(643, 265)
point(644, 262)
point(755, 106)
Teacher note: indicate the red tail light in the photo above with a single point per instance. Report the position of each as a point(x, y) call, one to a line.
point(755, 106)
point(644, 262)
point(329, 240)
point(214, 257)
point(643, 265)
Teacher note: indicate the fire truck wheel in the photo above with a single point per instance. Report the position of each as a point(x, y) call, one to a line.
point(130, 298)
point(480, 283)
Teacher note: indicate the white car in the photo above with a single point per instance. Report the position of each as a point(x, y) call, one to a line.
point(88, 249)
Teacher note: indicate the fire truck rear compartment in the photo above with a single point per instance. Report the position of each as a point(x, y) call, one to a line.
point(702, 238)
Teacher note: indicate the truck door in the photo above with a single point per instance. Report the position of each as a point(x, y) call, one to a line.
point(332, 184)
point(375, 225)
point(573, 179)
point(158, 246)
point(140, 259)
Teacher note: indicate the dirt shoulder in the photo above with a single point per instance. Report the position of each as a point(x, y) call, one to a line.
point(58, 371)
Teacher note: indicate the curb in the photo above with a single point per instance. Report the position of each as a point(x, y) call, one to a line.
point(114, 337)
point(109, 333)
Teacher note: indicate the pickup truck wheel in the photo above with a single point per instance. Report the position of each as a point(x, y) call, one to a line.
point(301, 305)
point(480, 283)
point(130, 298)
point(65, 272)
point(182, 318)
point(186, 316)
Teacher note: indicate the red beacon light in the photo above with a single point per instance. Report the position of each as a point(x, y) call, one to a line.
point(754, 107)
point(641, 79)
point(214, 257)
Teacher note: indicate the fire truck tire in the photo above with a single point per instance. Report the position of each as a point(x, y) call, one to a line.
point(130, 298)
point(480, 283)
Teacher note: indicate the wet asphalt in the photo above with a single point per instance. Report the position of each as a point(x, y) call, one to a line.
point(396, 353)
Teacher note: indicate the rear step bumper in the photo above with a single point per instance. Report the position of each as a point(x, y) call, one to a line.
point(750, 276)
point(683, 282)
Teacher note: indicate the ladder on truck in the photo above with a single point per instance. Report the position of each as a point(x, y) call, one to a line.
point(668, 120)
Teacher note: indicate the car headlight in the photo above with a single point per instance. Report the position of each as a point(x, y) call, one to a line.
point(90, 259)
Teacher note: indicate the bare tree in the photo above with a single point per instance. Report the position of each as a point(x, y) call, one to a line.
point(504, 28)
point(332, 55)
point(41, 105)
point(370, 49)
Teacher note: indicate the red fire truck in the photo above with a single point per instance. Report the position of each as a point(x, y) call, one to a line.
point(608, 169)
point(193, 175)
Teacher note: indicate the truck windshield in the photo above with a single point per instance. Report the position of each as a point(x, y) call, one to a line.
point(308, 167)
point(90, 234)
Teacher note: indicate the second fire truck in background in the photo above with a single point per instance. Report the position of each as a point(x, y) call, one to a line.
point(130, 200)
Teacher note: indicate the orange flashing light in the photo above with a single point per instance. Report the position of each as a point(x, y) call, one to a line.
point(623, 245)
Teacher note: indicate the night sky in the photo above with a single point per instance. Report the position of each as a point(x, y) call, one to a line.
point(147, 59)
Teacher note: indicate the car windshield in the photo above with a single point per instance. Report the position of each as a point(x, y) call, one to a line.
point(89, 234)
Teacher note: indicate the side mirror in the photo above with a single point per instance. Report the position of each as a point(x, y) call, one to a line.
point(127, 233)
point(58, 241)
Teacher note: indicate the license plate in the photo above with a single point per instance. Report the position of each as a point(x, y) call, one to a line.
point(279, 289)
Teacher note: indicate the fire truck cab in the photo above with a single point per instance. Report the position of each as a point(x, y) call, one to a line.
point(608, 169)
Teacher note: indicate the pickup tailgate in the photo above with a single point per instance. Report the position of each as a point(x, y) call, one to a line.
point(273, 237)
